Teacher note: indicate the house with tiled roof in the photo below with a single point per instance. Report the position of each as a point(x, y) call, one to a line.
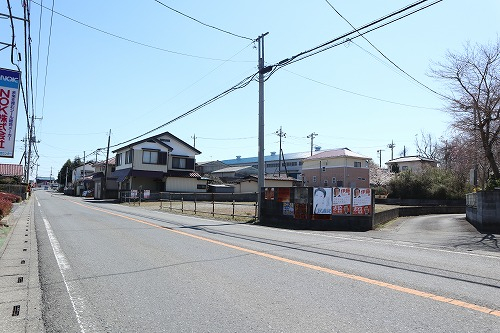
point(337, 167)
point(11, 170)
point(161, 163)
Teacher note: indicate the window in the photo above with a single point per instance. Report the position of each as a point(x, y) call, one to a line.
point(325, 183)
point(323, 169)
point(118, 159)
point(404, 168)
point(357, 164)
point(150, 157)
point(183, 163)
point(314, 179)
point(179, 163)
point(129, 156)
point(334, 181)
point(201, 186)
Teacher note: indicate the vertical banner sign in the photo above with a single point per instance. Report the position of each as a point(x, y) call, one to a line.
point(9, 97)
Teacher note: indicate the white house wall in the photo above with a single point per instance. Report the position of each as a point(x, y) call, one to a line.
point(178, 184)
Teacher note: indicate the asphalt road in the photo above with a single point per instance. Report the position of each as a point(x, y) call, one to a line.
point(114, 268)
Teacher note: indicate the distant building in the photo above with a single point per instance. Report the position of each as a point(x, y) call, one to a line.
point(231, 174)
point(413, 163)
point(207, 167)
point(291, 164)
point(337, 167)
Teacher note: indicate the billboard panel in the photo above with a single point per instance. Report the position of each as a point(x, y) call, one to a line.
point(9, 97)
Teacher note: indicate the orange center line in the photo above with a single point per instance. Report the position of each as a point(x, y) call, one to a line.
point(382, 284)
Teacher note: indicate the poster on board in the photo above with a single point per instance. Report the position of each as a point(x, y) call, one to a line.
point(362, 201)
point(322, 200)
point(341, 201)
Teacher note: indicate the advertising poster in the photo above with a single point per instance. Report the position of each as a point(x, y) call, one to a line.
point(301, 195)
point(362, 201)
point(147, 194)
point(269, 193)
point(288, 209)
point(9, 97)
point(341, 202)
point(283, 194)
point(133, 193)
point(300, 211)
point(322, 200)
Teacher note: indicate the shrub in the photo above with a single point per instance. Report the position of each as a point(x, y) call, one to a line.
point(5, 207)
point(10, 197)
point(431, 183)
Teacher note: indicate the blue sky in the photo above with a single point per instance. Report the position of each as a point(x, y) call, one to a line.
point(131, 66)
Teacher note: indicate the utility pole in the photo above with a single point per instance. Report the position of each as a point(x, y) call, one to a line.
point(379, 152)
point(83, 175)
point(281, 135)
point(311, 136)
point(194, 140)
point(391, 146)
point(104, 183)
point(261, 174)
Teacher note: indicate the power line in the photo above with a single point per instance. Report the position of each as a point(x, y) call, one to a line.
point(48, 54)
point(335, 42)
point(362, 95)
point(131, 40)
point(207, 25)
point(381, 53)
point(345, 38)
point(243, 83)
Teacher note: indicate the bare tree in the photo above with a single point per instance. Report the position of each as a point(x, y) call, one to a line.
point(427, 146)
point(474, 97)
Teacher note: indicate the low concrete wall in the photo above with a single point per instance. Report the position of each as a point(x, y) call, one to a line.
point(391, 214)
point(484, 212)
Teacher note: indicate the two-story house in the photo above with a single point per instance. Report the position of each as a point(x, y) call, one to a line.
point(161, 163)
point(337, 167)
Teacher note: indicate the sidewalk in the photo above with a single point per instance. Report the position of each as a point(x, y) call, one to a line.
point(20, 294)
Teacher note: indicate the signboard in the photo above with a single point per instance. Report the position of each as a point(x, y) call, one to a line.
point(288, 209)
point(133, 193)
point(147, 194)
point(362, 201)
point(341, 201)
point(9, 97)
point(283, 194)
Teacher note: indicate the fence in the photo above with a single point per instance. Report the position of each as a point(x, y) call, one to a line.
point(220, 204)
point(234, 205)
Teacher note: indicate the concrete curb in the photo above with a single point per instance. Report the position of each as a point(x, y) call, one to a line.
point(20, 293)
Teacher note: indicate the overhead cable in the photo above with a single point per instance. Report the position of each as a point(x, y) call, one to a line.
point(207, 25)
point(243, 83)
point(130, 40)
point(381, 53)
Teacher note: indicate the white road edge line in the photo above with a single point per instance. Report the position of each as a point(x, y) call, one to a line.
point(75, 293)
